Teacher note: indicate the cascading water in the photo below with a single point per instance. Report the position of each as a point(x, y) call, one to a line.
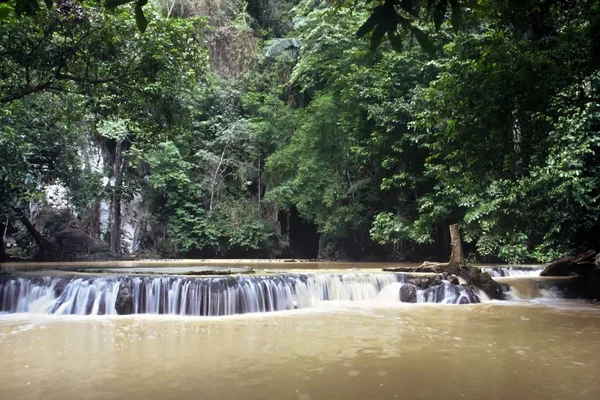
point(210, 296)
point(497, 272)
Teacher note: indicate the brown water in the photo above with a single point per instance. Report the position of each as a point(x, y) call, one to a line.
point(341, 351)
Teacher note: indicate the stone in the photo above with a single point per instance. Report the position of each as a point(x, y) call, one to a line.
point(482, 281)
point(423, 282)
point(582, 264)
point(450, 278)
point(124, 301)
point(408, 293)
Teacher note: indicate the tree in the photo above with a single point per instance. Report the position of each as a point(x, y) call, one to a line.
point(122, 91)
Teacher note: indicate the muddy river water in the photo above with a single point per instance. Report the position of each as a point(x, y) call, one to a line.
point(527, 348)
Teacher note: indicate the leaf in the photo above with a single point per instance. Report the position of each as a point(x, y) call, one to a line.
point(455, 16)
point(278, 46)
point(140, 19)
point(48, 4)
point(371, 22)
point(4, 13)
point(423, 40)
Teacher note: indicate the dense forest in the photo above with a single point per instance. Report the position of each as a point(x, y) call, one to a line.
point(297, 128)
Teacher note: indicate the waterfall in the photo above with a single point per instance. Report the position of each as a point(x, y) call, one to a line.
point(211, 296)
point(496, 272)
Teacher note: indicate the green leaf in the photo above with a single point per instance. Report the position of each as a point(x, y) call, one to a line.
point(4, 13)
point(423, 40)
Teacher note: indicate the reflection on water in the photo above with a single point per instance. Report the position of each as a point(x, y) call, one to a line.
point(344, 351)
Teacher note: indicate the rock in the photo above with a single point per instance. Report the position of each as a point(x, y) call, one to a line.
point(450, 278)
point(582, 286)
point(581, 264)
point(124, 302)
point(597, 260)
point(74, 242)
point(59, 287)
point(423, 282)
point(408, 293)
point(482, 281)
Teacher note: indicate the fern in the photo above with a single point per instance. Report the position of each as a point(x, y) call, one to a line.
point(281, 45)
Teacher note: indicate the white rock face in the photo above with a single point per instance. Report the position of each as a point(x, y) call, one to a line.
point(131, 224)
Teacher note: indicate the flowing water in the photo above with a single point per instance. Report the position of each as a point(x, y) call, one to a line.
point(355, 340)
point(212, 296)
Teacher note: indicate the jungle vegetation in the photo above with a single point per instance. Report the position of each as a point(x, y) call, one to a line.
point(297, 128)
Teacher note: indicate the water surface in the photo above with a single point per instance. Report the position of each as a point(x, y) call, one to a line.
point(342, 350)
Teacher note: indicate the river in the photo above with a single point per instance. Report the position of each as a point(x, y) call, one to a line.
point(528, 348)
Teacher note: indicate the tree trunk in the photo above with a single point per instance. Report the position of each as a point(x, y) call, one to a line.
point(457, 258)
point(46, 250)
point(115, 206)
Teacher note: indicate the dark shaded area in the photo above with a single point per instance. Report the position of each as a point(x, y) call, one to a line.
point(304, 238)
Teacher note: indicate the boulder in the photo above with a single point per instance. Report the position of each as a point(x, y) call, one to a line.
point(482, 281)
point(582, 264)
point(423, 282)
point(74, 242)
point(408, 293)
point(124, 301)
point(450, 278)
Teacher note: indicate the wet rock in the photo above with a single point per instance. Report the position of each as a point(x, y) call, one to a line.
point(452, 290)
point(59, 287)
point(581, 264)
point(450, 278)
point(581, 287)
point(124, 301)
point(423, 282)
point(481, 280)
point(408, 293)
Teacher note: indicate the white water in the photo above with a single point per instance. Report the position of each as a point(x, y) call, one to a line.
point(211, 296)
point(496, 272)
